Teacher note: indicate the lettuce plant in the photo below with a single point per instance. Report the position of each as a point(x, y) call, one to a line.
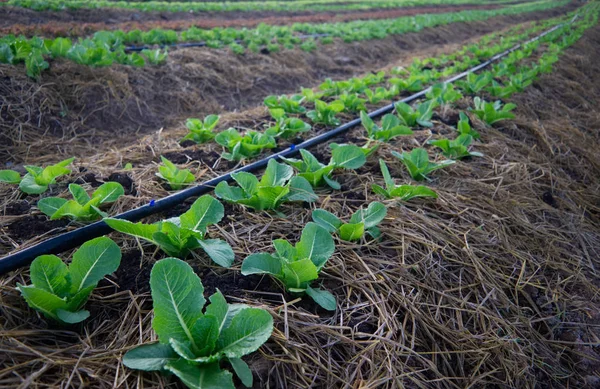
point(288, 104)
point(192, 343)
point(177, 178)
point(457, 148)
point(410, 84)
point(443, 93)
point(317, 174)
point(376, 96)
point(325, 113)
point(401, 192)
point(498, 90)
point(390, 127)
point(492, 112)
point(156, 56)
point(276, 186)
point(37, 179)
point(352, 103)
point(411, 117)
point(464, 127)
point(475, 83)
point(310, 95)
point(180, 235)
point(286, 127)
point(83, 207)
point(201, 131)
point(360, 221)
point(244, 146)
point(296, 266)
point(59, 291)
point(418, 164)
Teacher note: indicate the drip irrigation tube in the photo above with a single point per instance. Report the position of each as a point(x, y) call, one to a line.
point(77, 237)
point(203, 43)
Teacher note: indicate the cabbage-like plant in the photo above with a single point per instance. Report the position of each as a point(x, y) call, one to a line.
point(418, 164)
point(401, 192)
point(59, 291)
point(361, 221)
point(297, 266)
point(492, 112)
point(83, 207)
point(177, 178)
point(201, 131)
point(244, 146)
point(180, 235)
point(194, 339)
point(37, 179)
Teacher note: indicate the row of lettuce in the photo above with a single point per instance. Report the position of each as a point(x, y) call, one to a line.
point(106, 48)
point(223, 6)
point(194, 339)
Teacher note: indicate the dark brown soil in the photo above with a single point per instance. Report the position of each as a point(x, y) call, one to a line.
point(97, 109)
point(31, 226)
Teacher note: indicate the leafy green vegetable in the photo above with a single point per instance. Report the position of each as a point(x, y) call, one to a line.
point(443, 93)
point(296, 266)
point(352, 103)
point(475, 83)
point(492, 112)
point(457, 148)
point(156, 56)
point(178, 236)
point(464, 128)
point(288, 104)
point(83, 207)
point(177, 178)
point(390, 127)
point(361, 221)
point(192, 343)
point(247, 146)
point(418, 165)
point(276, 186)
point(201, 131)
point(325, 113)
point(421, 116)
point(37, 179)
point(59, 291)
point(286, 127)
point(402, 192)
point(317, 174)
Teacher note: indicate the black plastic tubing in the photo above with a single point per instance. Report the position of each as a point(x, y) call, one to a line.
point(72, 239)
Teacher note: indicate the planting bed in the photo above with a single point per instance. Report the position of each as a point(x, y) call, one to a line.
point(492, 284)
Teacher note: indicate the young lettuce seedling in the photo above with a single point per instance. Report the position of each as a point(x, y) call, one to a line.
point(475, 83)
point(276, 186)
point(421, 116)
point(180, 235)
point(411, 84)
point(247, 146)
point(286, 127)
point(288, 104)
point(361, 221)
point(192, 343)
point(418, 165)
point(464, 128)
point(296, 266)
point(177, 178)
point(59, 291)
point(443, 93)
point(390, 127)
point(83, 207)
point(401, 192)
point(492, 112)
point(376, 96)
point(349, 157)
point(352, 103)
point(325, 113)
point(37, 179)
point(201, 131)
point(457, 148)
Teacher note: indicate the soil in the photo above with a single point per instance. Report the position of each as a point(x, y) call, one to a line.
point(79, 23)
point(99, 109)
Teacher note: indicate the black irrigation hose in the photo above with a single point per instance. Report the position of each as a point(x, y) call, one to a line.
point(202, 44)
point(77, 237)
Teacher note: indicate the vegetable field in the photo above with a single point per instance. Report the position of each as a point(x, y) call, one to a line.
point(299, 194)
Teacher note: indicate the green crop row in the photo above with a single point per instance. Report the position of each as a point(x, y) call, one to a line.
point(193, 6)
point(108, 47)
